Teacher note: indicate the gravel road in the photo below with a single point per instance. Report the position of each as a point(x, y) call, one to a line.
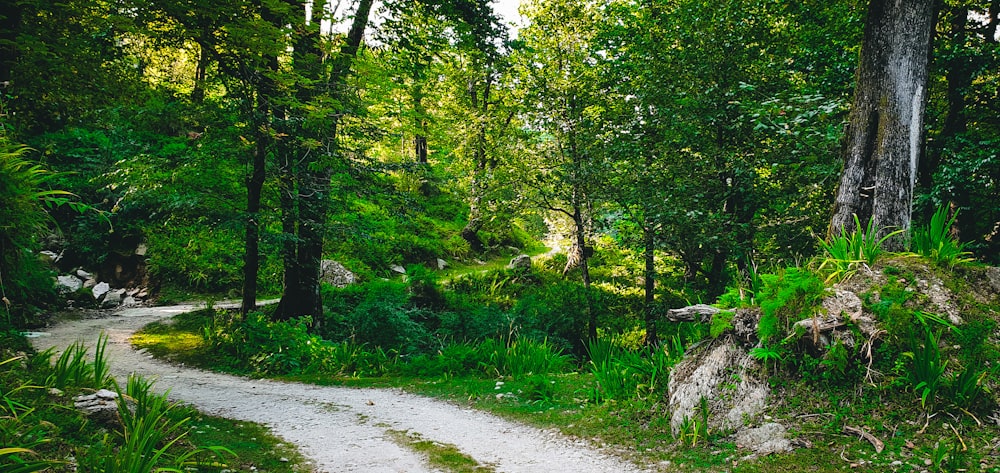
point(339, 429)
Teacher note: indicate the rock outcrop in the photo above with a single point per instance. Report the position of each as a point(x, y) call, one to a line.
point(335, 274)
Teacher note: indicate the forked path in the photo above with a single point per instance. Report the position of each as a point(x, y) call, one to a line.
point(339, 429)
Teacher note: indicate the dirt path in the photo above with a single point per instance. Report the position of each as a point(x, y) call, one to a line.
point(338, 429)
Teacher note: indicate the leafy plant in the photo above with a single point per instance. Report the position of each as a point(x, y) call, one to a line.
point(846, 252)
point(934, 240)
point(787, 297)
point(623, 374)
point(148, 434)
point(928, 367)
point(767, 354)
point(966, 387)
point(521, 357)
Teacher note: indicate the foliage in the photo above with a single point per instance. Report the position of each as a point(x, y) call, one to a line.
point(622, 374)
point(848, 252)
point(24, 198)
point(927, 375)
point(787, 297)
point(150, 436)
point(934, 240)
point(521, 357)
point(721, 323)
point(72, 368)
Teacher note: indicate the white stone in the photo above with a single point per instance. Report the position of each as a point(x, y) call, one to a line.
point(442, 264)
point(68, 283)
point(83, 274)
point(100, 289)
point(398, 269)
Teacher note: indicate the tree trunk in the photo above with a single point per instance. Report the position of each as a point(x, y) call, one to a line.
point(419, 124)
point(649, 283)
point(885, 131)
point(581, 244)
point(305, 222)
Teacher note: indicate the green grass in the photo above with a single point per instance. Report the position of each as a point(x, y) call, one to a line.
point(443, 456)
point(34, 418)
point(814, 408)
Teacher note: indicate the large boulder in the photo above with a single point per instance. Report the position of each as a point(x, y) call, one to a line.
point(521, 261)
point(113, 298)
point(335, 274)
point(723, 373)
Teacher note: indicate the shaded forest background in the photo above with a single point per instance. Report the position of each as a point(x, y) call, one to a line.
point(669, 148)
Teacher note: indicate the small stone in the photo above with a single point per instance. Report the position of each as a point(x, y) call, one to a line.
point(398, 269)
point(441, 264)
point(100, 289)
point(83, 274)
point(68, 283)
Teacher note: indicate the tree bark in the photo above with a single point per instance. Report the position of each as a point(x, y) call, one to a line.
point(649, 283)
point(305, 229)
point(885, 131)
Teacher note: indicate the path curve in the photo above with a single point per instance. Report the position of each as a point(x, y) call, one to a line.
point(339, 429)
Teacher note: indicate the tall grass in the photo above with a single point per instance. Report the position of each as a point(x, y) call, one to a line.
point(521, 357)
point(623, 374)
point(847, 252)
point(19, 432)
point(935, 242)
point(72, 368)
point(148, 433)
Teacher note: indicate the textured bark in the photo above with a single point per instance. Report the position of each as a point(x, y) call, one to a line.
point(312, 187)
point(419, 124)
point(649, 284)
point(885, 131)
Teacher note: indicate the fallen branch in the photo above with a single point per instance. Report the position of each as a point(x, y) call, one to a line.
point(701, 312)
point(879, 446)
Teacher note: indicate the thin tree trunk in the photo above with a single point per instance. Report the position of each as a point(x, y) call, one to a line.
point(885, 132)
point(649, 283)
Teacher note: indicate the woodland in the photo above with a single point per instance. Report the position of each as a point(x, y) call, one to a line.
point(647, 155)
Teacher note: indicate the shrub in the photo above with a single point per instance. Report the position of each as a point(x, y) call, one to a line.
point(787, 297)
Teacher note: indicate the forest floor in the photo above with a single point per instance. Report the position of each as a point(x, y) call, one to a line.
point(338, 429)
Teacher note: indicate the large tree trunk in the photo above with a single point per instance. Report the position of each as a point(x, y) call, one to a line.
point(885, 132)
point(305, 229)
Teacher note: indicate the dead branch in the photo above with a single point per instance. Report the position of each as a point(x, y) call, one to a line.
point(861, 433)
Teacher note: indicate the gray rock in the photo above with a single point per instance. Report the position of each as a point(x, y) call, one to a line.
point(101, 406)
point(335, 274)
point(129, 301)
point(90, 283)
point(842, 304)
point(725, 375)
point(441, 264)
point(50, 256)
point(68, 283)
point(521, 261)
point(113, 298)
point(398, 269)
point(141, 249)
point(100, 289)
point(83, 274)
point(765, 440)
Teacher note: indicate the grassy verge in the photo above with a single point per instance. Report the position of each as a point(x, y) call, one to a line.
point(41, 431)
point(815, 411)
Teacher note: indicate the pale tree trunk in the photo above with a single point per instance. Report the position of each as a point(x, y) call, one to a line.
point(885, 133)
